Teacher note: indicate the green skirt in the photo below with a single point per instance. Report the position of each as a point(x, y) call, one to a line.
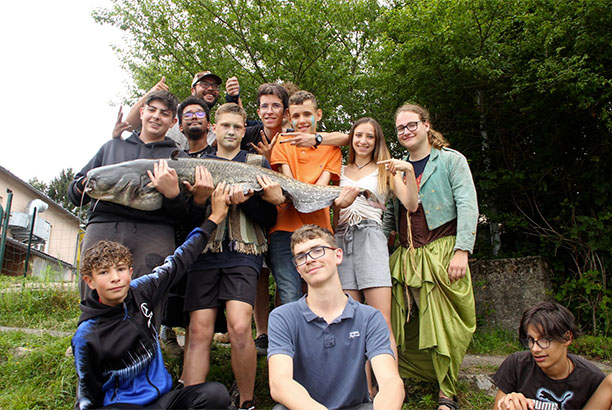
point(432, 341)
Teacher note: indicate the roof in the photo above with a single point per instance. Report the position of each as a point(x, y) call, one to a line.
point(38, 193)
point(36, 252)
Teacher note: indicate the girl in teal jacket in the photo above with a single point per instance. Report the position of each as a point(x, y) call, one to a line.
point(432, 312)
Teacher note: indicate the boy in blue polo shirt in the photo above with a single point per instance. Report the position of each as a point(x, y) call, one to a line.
point(318, 345)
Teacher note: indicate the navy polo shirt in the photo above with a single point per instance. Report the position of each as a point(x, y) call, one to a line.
point(329, 358)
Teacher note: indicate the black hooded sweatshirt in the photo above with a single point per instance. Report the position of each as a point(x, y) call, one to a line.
point(116, 348)
point(173, 211)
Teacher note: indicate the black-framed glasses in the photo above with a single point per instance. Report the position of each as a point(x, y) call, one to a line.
point(207, 85)
point(198, 114)
point(543, 342)
point(315, 253)
point(411, 126)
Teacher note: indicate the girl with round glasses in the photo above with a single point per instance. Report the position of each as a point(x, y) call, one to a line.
point(432, 313)
point(364, 272)
point(546, 376)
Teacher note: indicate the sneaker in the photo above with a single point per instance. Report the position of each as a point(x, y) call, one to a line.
point(171, 347)
point(234, 396)
point(248, 405)
point(261, 344)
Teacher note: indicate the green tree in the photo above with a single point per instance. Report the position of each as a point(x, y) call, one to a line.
point(40, 185)
point(523, 88)
point(56, 189)
point(319, 45)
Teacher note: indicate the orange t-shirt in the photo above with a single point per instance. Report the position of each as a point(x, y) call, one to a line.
point(307, 164)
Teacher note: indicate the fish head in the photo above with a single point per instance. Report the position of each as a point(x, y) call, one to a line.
point(125, 184)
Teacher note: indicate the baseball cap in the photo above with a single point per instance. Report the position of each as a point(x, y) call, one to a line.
point(204, 74)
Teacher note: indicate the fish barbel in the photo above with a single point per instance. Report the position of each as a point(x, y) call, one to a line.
point(128, 184)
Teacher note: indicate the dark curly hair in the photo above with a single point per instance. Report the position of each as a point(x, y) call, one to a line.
point(105, 254)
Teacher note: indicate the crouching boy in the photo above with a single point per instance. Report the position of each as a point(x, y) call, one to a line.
point(546, 377)
point(116, 348)
point(319, 345)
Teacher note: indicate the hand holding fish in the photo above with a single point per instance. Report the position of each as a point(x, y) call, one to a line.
point(120, 125)
point(237, 196)
point(219, 202)
point(264, 147)
point(394, 165)
point(203, 186)
point(272, 191)
point(347, 196)
point(164, 179)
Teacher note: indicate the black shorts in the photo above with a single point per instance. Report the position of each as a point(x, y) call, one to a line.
point(209, 288)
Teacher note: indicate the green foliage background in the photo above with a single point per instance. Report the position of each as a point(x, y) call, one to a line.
point(522, 87)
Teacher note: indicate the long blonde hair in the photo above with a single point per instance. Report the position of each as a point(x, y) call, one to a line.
point(380, 153)
point(434, 137)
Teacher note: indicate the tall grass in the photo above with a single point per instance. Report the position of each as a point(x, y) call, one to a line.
point(38, 304)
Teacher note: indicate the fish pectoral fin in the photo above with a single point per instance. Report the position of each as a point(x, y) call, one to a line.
point(146, 183)
point(372, 199)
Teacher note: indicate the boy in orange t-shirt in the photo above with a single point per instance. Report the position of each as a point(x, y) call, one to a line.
point(318, 164)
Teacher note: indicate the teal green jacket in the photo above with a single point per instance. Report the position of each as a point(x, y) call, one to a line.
point(447, 192)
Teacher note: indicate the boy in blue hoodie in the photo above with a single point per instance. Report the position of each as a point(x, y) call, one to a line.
point(116, 347)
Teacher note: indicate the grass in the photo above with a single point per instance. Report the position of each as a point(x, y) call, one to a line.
point(423, 395)
point(38, 375)
point(42, 377)
point(593, 347)
point(33, 304)
point(494, 342)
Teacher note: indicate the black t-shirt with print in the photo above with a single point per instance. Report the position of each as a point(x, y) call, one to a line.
point(521, 374)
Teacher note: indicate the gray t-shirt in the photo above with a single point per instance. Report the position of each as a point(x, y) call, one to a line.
point(329, 359)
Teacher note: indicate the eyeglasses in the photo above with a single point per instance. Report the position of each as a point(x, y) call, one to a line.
point(189, 115)
point(543, 342)
point(315, 253)
point(411, 126)
point(207, 85)
point(273, 107)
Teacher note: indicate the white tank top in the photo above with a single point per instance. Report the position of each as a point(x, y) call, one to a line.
point(361, 209)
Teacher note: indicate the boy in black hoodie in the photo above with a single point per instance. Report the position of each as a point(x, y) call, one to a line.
point(148, 234)
point(116, 349)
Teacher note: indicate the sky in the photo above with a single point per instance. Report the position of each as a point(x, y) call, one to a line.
point(62, 85)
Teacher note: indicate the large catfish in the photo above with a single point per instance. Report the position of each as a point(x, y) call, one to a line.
point(127, 183)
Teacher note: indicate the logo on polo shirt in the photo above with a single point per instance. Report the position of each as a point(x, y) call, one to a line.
point(354, 334)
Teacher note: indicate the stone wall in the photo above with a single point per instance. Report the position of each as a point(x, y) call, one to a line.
point(504, 288)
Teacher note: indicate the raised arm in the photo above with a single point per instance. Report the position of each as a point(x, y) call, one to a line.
point(133, 117)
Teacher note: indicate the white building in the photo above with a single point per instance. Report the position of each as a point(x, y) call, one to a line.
point(54, 243)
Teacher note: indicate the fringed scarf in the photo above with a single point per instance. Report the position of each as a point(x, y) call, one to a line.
point(244, 235)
